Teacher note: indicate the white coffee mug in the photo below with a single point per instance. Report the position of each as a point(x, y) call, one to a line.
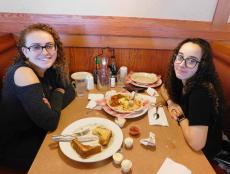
point(84, 75)
point(123, 72)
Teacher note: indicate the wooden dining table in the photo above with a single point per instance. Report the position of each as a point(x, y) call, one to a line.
point(170, 143)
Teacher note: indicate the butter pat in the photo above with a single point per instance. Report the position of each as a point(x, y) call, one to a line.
point(128, 142)
point(117, 158)
point(126, 165)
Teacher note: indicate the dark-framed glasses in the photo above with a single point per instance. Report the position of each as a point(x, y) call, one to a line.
point(37, 49)
point(190, 62)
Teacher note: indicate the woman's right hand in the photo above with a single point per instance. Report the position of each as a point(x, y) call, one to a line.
point(61, 90)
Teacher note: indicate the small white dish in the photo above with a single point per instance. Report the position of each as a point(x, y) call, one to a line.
point(126, 165)
point(128, 142)
point(117, 158)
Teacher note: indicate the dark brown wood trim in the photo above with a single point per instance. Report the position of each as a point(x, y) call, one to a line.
point(7, 41)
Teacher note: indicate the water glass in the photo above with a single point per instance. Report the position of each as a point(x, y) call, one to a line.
point(103, 74)
point(121, 75)
point(103, 80)
point(80, 87)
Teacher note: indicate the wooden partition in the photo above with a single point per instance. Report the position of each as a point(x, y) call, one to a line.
point(83, 59)
point(7, 53)
point(222, 62)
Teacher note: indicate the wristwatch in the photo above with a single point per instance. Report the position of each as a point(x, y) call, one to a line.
point(180, 118)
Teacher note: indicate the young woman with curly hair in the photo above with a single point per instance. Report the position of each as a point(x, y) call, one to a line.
point(35, 90)
point(194, 96)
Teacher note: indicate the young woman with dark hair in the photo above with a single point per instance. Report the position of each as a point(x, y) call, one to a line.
point(194, 96)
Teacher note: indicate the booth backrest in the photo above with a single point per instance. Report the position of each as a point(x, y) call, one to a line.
point(7, 53)
point(221, 54)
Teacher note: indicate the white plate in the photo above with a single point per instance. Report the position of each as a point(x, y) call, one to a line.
point(154, 85)
point(144, 78)
point(113, 147)
point(109, 111)
point(147, 99)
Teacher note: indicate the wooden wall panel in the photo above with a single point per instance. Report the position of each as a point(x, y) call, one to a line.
point(119, 42)
point(6, 58)
point(222, 12)
point(83, 59)
point(7, 41)
point(117, 32)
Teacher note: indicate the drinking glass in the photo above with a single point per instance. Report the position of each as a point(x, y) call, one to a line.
point(80, 87)
point(103, 74)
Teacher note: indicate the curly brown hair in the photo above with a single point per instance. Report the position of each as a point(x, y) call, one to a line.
point(60, 65)
point(206, 76)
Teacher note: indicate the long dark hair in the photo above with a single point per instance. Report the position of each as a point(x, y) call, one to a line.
point(205, 76)
point(60, 65)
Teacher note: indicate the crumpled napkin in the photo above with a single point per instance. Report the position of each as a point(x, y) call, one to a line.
point(152, 92)
point(110, 93)
point(95, 96)
point(93, 101)
point(150, 141)
point(162, 120)
point(171, 167)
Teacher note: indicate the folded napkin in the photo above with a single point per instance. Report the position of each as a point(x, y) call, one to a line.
point(150, 141)
point(171, 167)
point(148, 98)
point(93, 101)
point(110, 93)
point(162, 120)
point(95, 96)
point(152, 92)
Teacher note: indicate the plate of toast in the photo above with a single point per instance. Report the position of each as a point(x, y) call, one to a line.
point(102, 139)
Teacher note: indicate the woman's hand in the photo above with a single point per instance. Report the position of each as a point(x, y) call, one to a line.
point(61, 90)
point(174, 110)
point(46, 101)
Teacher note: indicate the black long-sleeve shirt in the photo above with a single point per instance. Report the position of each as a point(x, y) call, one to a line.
point(25, 118)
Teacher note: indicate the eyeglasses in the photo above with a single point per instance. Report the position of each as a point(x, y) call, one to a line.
point(37, 49)
point(190, 62)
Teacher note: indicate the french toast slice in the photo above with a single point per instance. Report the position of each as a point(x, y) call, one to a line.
point(104, 135)
point(85, 150)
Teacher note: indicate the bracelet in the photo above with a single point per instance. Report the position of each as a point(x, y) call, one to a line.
point(180, 118)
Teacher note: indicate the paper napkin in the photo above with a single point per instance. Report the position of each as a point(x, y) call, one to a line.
point(95, 96)
point(150, 141)
point(171, 167)
point(93, 101)
point(162, 120)
point(152, 92)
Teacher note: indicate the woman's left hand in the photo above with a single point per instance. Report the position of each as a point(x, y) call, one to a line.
point(175, 110)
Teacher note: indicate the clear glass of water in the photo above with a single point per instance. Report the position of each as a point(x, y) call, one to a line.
point(81, 87)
